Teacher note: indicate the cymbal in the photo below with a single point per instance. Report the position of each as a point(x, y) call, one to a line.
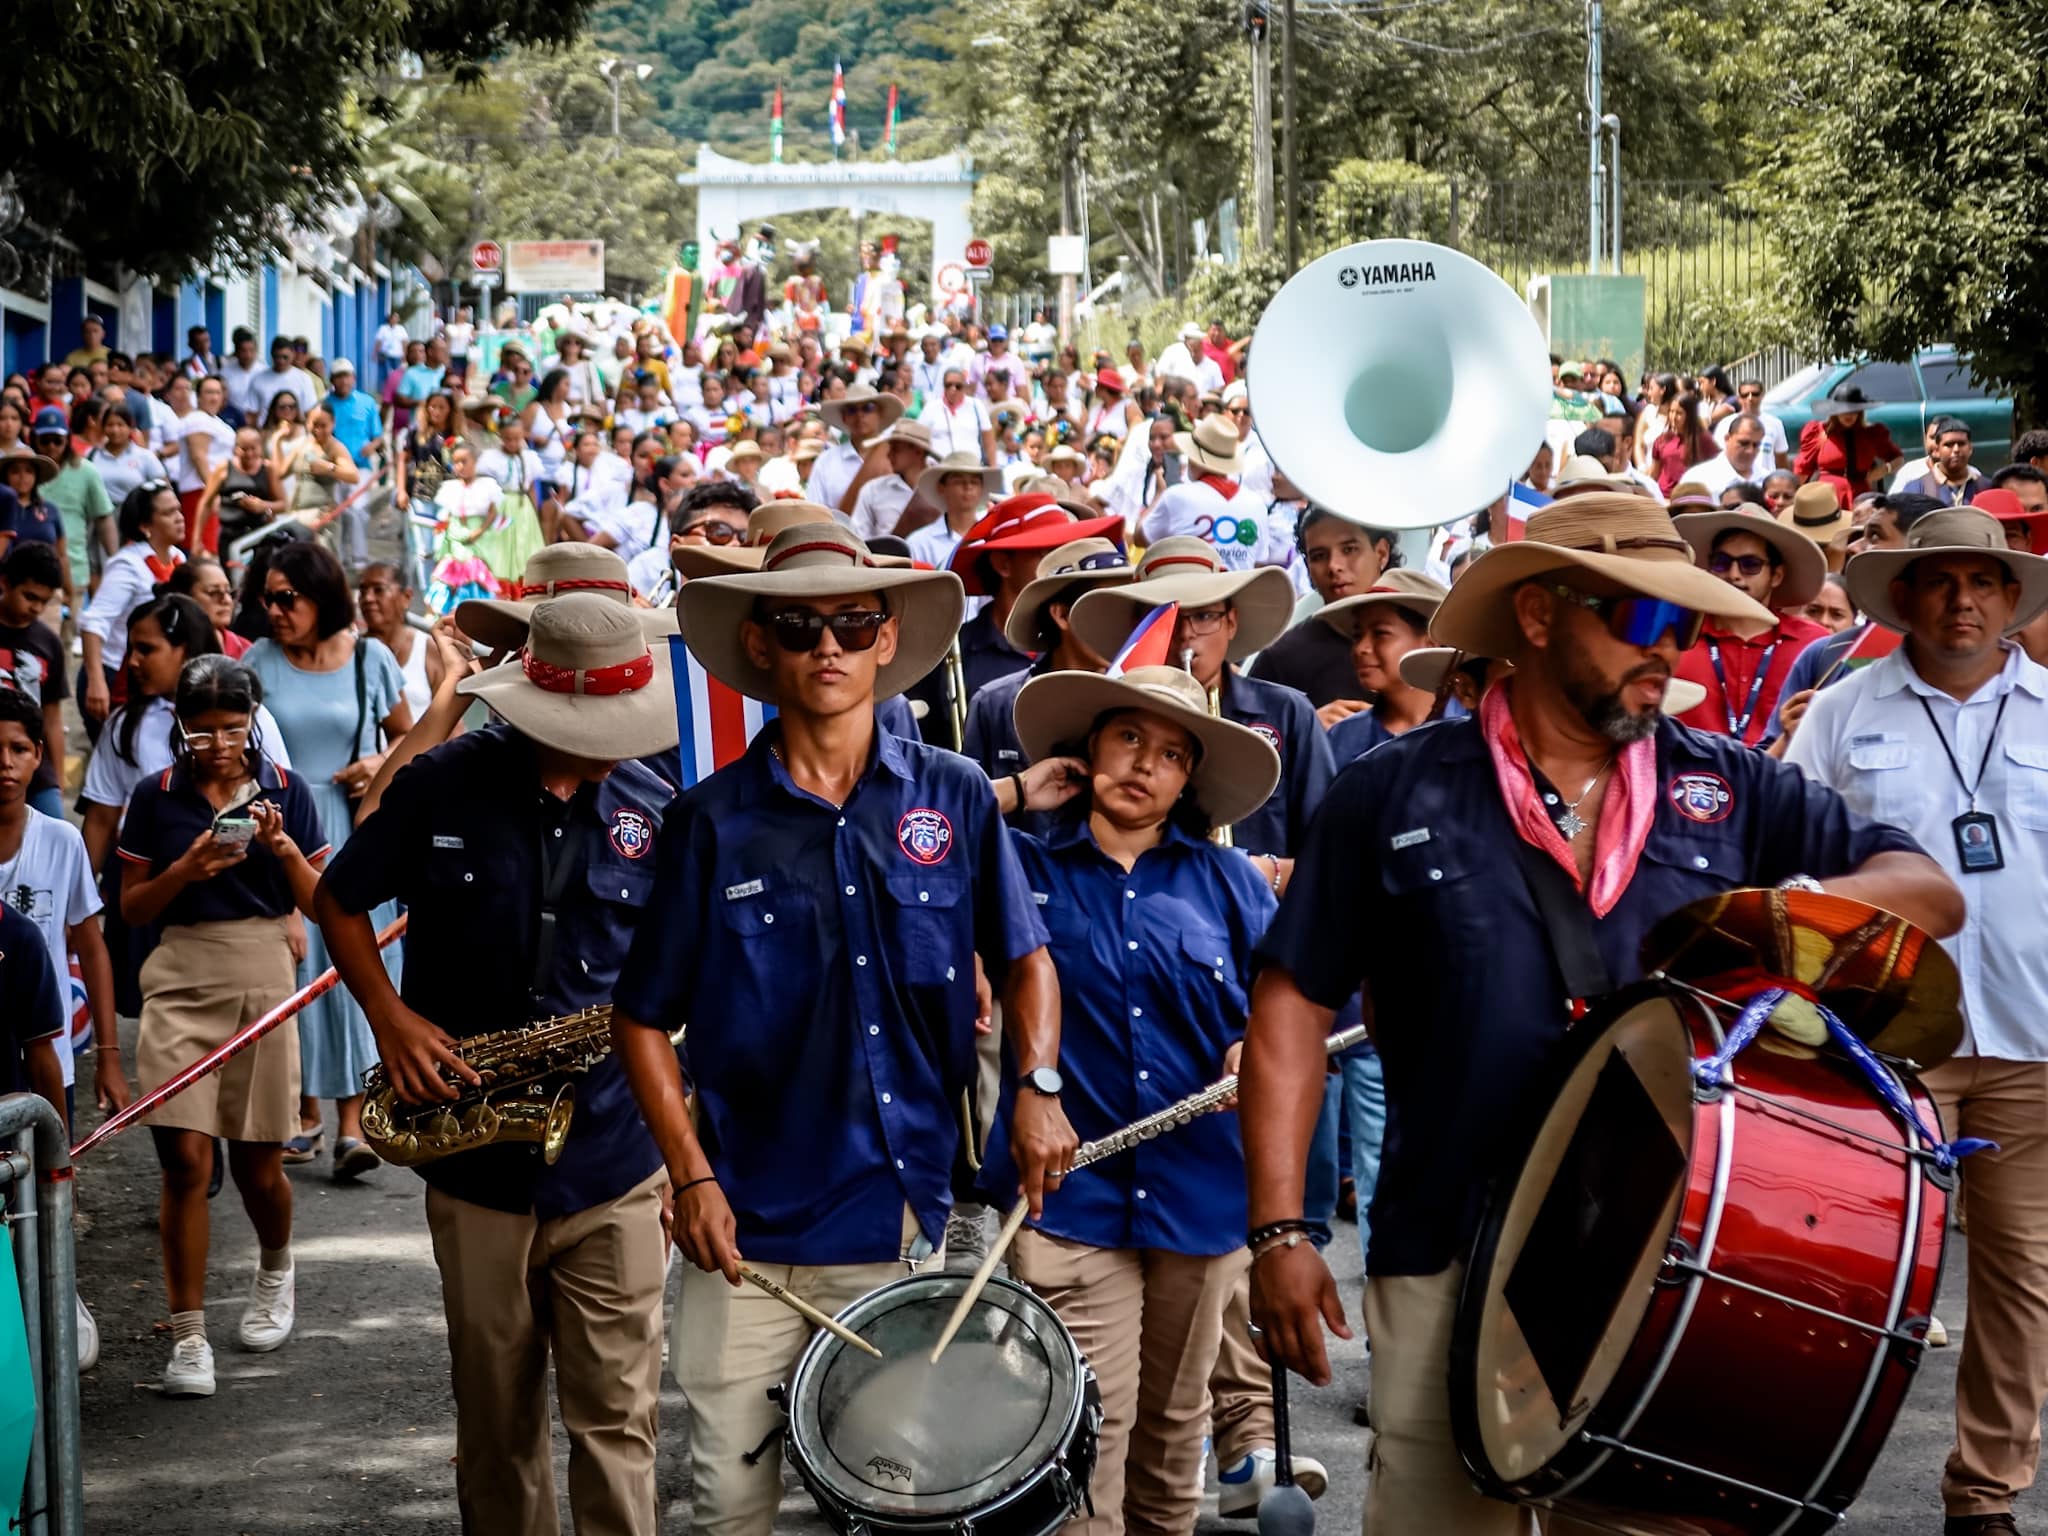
point(1892, 984)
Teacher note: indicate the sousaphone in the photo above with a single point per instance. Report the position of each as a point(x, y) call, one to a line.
point(1399, 383)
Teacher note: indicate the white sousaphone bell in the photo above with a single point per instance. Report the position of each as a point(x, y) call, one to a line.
point(1399, 383)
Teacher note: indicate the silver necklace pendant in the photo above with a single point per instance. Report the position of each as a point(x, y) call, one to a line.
point(1571, 824)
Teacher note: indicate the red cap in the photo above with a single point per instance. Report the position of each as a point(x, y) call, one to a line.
point(1034, 521)
point(1109, 379)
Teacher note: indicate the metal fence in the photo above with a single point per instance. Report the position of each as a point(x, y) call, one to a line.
point(1707, 266)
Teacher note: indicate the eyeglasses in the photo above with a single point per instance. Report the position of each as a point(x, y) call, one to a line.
point(1639, 621)
point(282, 597)
point(954, 384)
point(203, 741)
point(1201, 621)
point(714, 531)
point(1749, 394)
point(799, 629)
point(1722, 563)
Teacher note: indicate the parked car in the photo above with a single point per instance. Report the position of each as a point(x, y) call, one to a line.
point(1935, 383)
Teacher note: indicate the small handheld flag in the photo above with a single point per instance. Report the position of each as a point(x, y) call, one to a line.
point(838, 105)
point(1522, 500)
point(717, 723)
point(775, 130)
point(1874, 644)
point(1148, 643)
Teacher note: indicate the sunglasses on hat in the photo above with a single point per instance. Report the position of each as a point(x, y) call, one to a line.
point(800, 629)
point(1639, 621)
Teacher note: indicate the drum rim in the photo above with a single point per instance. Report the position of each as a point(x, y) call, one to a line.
point(815, 1467)
point(1582, 1039)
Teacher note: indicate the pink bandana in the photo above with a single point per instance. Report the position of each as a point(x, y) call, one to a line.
point(1625, 813)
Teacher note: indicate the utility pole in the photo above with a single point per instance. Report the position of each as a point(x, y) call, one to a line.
point(1257, 23)
point(1595, 129)
point(1067, 200)
point(616, 71)
point(1287, 127)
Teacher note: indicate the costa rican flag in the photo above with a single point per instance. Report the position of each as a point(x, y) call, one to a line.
point(1522, 500)
point(716, 722)
point(1148, 643)
point(838, 105)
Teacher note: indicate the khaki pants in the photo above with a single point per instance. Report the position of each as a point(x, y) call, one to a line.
point(731, 1345)
point(1149, 1323)
point(1242, 1383)
point(2002, 1379)
point(1415, 1480)
point(587, 1286)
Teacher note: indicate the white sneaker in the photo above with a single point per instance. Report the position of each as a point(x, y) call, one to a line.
point(1239, 1487)
point(88, 1338)
point(1937, 1336)
point(267, 1319)
point(190, 1372)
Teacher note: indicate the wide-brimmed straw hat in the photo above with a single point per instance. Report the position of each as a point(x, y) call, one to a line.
point(961, 463)
point(1817, 512)
point(1188, 571)
point(1091, 562)
point(46, 467)
point(1213, 445)
point(590, 681)
point(817, 561)
point(1629, 540)
point(1582, 473)
point(1806, 568)
point(764, 524)
point(1425, 666)
point(1953, 530)
point(1410, 591)
point(555, 571)
point(908, 430)
point(1234, 771)
point(1031, 522)
point(834, 411)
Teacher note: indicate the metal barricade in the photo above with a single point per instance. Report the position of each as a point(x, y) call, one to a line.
point(46, 1269)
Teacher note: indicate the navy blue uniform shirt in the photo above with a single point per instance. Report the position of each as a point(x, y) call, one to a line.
point(822, 958)
point(992, 738)
point(1355, 735)
point(457, 838)
point(1409, 883)
point(167, 812)
point(29, 999)
point(1155, 977)
point(1285, 718)
point(893, 715)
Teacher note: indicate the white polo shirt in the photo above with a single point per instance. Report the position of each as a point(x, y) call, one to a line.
point(1235, 524)
point(1870, 738)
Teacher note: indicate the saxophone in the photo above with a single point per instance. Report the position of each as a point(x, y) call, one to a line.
point(528, 1092)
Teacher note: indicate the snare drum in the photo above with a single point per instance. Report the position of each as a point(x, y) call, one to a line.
point(997, 1438)
point(1695, 1312)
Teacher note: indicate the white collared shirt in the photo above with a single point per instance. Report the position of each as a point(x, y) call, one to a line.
point(1869, 738)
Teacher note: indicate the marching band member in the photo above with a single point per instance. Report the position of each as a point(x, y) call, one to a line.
point(815, 924)
point(1613, 818)
point(1152, 927)
point(532, 841)
point(1384, 623)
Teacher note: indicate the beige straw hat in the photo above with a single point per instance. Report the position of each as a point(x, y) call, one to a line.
point(961, 463)
point(1188, 571)
point(589, 682)
point(1954, 530)
point(554, 571)
point(1213, 446)
point(1091, 562)
point(1806, 568)
point(1410, 591)
point(763, 524)
point(834, 411)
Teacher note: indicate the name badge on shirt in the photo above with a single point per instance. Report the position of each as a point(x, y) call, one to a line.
point(745, 889)
point(447, 842)
point(1411, 838)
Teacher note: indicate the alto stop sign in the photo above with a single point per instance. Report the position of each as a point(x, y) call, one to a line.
point(979, 253)
point(486, 256)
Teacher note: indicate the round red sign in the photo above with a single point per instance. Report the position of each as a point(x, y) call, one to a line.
point(980, 253)
point(486, 256)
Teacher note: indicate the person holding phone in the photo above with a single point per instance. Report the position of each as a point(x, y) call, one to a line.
point(216, 853)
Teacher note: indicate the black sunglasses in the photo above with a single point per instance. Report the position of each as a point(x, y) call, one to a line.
point(282, 597)
point(799, 629)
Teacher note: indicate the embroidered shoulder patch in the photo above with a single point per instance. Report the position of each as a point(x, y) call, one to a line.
point(631, 833)
point(1702, 797)
point(925, 835)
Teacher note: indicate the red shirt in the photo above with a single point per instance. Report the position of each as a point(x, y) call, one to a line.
point(1721, 708)
point(1838, 454)
point(1220, 356)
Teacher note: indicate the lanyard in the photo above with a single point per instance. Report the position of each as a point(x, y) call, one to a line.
point(1739, 728)
point(1989, 742)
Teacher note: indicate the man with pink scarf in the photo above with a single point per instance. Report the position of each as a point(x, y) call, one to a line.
point(1437, 874)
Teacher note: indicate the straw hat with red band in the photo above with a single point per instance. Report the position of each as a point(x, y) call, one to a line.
point(590, 682)
point(555, 571)
point(1629, 540)
point(1082, 563)
point(814, 562)
point(1029, 524)
point(1412, 592)
point(763, 524)
point(1188, 571)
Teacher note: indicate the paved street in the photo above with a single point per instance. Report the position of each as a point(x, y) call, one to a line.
point(350, 1426)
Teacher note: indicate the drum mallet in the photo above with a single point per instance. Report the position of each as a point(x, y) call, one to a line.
point(1286, 1509)
point(804, 1309)
point(1171, 1118)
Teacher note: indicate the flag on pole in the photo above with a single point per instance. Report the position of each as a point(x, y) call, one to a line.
point(1874, 644)
point(716, 722)
point(889, 135)
point(1148, 643)
point(775, 129)
point(1522, 500)
point(838, 106)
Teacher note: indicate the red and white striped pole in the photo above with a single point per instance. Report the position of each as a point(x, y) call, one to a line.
point(227, 1051)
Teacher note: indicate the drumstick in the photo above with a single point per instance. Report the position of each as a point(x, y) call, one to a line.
point(1012, 1224)
point(803, 1308)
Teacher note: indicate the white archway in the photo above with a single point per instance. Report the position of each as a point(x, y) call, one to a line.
point(732, 194)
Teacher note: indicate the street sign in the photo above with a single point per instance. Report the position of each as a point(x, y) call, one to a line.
point(951, 279)
point(486, 256)
point(980, 254)
point(979, 277)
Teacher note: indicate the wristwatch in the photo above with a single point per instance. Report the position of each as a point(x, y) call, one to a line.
point(1801, 883)
point(1045, 1080)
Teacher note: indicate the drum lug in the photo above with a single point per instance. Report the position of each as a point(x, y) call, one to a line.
point(1707, 1090)
point(1680, 1264)
point(1945, 1179)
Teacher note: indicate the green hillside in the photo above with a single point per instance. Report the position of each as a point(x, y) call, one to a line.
point(717, 63)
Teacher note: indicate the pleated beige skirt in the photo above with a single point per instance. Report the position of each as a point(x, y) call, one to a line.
point(201, 984)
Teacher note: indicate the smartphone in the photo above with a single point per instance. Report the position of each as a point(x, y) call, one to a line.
point(234, 831)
